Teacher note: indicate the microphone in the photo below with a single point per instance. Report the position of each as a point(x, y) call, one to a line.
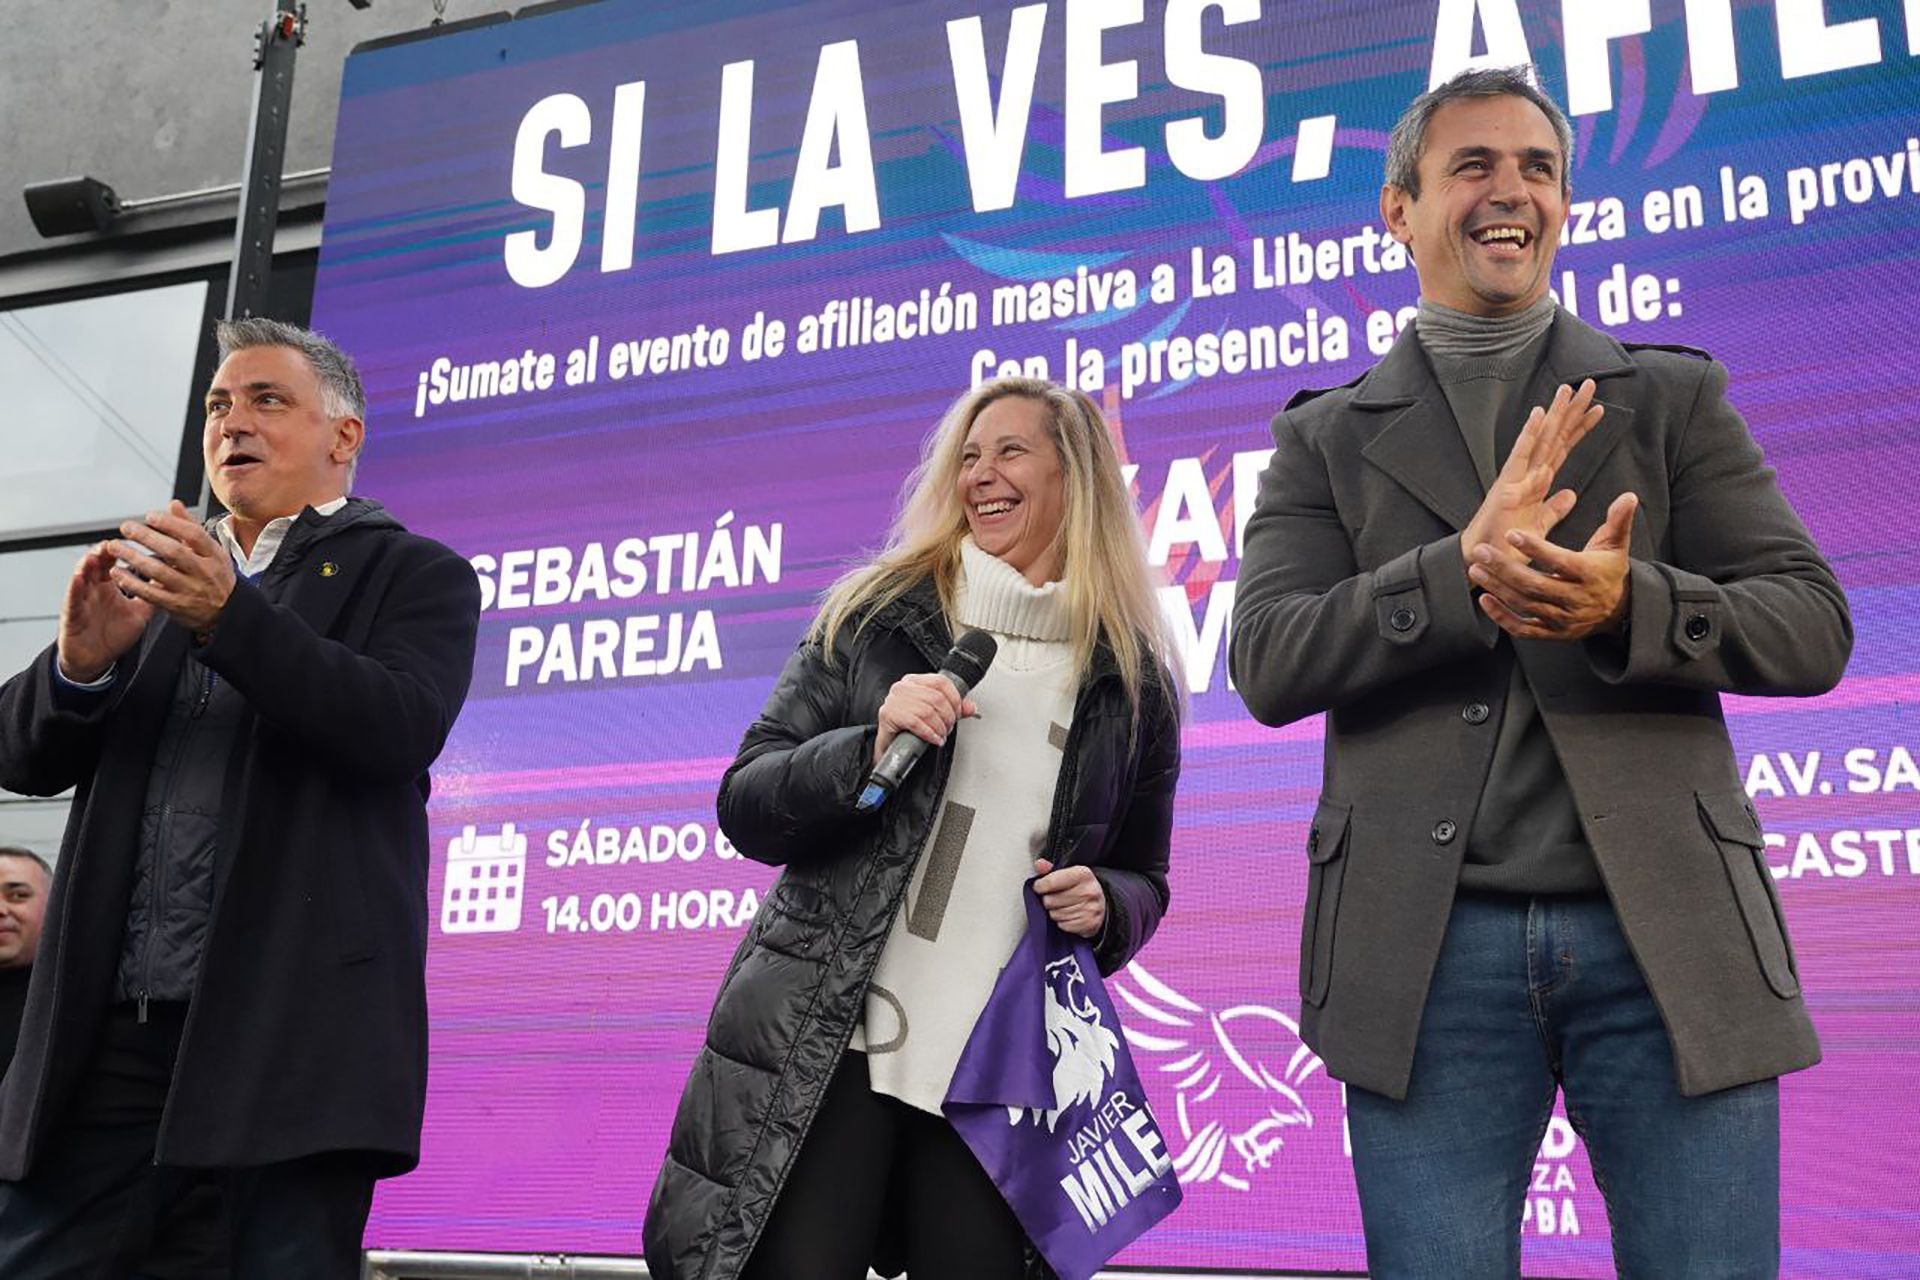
point(963, 667)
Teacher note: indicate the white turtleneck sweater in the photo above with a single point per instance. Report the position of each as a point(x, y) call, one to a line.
point(963, 916)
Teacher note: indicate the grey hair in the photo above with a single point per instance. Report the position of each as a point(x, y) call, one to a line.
point(14, 851)
point(1408, 141)
point(341, 395)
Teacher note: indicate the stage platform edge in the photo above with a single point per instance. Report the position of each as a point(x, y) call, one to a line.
point(391, 1264)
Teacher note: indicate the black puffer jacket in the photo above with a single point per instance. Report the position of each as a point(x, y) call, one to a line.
point(795, 990)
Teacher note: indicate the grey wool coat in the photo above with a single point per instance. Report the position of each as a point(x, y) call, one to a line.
point(1353, 600)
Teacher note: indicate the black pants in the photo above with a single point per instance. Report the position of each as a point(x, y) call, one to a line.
point(96, 1203)
point(867, 1157)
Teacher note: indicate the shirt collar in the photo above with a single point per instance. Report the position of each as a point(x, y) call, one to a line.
point(267, 545)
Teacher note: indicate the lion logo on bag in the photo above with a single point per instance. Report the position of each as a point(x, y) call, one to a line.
point(1083, 1046)
point(1239, 1078)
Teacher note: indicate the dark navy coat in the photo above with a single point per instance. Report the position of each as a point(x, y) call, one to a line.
point(307, 1030)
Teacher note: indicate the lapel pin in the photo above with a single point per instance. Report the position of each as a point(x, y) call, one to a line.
point(328, 568)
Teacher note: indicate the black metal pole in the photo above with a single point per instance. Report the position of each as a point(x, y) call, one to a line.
point(278, 40)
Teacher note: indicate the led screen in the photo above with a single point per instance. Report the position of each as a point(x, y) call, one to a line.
point(656, 303)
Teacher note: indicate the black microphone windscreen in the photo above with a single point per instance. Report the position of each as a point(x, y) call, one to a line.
point(971, 655)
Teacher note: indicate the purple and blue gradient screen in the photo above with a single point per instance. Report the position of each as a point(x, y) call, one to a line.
point(655, 509)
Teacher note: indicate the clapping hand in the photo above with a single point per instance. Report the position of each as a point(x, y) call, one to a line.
point(98, 622)
point(185, 573)
point(1530, 587)
point(1522, 496)
point(1547, 592)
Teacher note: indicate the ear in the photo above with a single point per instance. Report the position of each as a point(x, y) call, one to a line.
point(348, 435)
point(1393, 212)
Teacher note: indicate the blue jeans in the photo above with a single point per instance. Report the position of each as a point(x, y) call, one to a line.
point(1529, 995)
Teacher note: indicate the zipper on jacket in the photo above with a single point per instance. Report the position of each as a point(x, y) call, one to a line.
point(206, 694)
point(156, 902)
point(162, 1136)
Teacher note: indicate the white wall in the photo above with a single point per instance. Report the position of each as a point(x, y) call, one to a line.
point(153, 97)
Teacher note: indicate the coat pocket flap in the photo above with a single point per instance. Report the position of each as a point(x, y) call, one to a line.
point(1328, 832)
point(1730, 814)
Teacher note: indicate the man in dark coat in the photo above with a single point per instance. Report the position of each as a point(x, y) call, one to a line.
point(1533, 867)
point(232, 972)
point(24, 877)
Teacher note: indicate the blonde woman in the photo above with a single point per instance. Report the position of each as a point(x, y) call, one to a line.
point(809, 1143)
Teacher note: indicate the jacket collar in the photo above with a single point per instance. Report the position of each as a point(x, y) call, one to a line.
point(1421, 446)
point(917, 614)
point(312, 528)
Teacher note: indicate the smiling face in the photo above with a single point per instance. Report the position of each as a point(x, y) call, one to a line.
point(1485, 226)
point(23, 905)
point(1012, 487)
point(270, 446)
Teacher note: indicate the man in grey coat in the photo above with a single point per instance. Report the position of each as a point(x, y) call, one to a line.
point(1516, 563)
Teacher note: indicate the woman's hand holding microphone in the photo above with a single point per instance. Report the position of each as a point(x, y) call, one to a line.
point(925, 705)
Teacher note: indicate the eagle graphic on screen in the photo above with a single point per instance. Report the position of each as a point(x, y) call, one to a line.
point(1083, 1047)
point(1238, 1078)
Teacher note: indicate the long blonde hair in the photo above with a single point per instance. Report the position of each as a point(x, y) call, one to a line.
point(1103, 556)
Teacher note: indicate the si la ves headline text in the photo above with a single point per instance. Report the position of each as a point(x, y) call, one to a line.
point(833, 167)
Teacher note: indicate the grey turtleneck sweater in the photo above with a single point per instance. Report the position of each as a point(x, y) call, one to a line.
point(1525, 836)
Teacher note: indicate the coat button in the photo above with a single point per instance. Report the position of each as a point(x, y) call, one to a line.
point(1698, 627)
point(1313, 841)
point(1444, 831)
point(1475, 713)
point(1402, 619)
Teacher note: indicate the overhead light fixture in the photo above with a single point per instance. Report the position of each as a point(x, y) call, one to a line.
point(70, 206)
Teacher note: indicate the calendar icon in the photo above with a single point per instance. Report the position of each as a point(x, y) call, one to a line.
point(486, 877)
